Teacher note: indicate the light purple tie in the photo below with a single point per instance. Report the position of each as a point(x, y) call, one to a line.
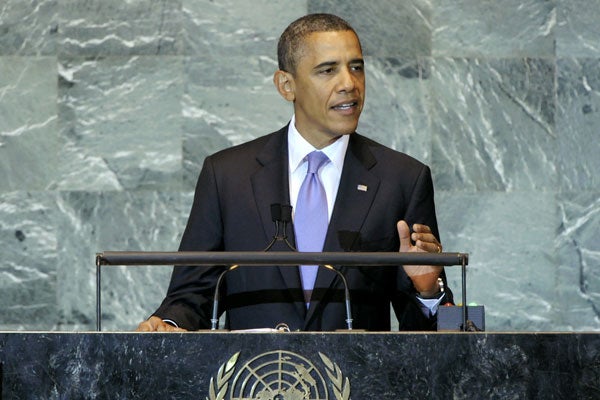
point(311, 219)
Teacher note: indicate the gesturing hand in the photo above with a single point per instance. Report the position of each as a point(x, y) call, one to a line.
point(424, 277)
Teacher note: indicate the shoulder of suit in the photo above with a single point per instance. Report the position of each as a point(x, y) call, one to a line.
point(252, 147)
point(383, 153)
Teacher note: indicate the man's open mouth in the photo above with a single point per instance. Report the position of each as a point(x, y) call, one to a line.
point(345, 106)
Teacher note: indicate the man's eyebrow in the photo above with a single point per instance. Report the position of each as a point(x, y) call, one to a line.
point(326, 64)
point(334, 63)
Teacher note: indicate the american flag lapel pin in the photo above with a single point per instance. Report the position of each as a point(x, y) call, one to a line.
point(362, 188)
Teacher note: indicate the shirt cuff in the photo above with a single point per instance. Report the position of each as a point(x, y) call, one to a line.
point(171, 322)
point(429, 307)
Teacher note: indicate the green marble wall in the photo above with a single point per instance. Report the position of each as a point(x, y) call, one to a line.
point(107, 109)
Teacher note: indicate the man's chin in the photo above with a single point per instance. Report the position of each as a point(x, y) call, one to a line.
point(347, 130)
point(346, 127)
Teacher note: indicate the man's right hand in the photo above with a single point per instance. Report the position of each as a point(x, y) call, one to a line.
point(155, 324)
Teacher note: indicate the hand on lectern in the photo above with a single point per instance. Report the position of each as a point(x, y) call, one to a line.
point(424, 277)
point(155, 324)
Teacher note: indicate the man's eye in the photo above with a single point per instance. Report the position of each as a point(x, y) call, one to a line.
point(358, 67)
point(326, 71)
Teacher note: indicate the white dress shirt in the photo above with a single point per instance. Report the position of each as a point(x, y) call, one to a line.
point(329, 174)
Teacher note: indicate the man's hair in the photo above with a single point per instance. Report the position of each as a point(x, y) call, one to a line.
point(291, 41)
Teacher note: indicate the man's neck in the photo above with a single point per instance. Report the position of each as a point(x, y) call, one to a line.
point(318, 141)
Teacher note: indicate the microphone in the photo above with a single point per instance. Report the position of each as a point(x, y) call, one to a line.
point(275, 217)
point(346, 239)
point(281, 215)
point(286, 213)
point(286, 217)
point(214, 321)
point(346, 295)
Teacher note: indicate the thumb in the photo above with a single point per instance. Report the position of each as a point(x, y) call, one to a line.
point(404, 234)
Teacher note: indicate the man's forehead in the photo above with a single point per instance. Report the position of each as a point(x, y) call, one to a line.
point(316, 36)
point(322, 43)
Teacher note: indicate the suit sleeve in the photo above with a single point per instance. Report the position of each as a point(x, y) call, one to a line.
point(421, 205)
point(421, 210)
point(189, 298)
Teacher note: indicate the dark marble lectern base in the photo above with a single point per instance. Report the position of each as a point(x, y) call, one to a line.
point(299, 366)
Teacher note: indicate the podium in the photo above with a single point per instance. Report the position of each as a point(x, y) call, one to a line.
point(359, 366)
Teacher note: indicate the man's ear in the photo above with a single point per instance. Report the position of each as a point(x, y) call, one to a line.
point(284, 82)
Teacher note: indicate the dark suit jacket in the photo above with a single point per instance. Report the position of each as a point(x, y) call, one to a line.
point(231, 212)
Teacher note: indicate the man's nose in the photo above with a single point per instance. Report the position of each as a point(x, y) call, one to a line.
point(347, 81)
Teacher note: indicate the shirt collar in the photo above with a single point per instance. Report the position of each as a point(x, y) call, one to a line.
point(299, 148)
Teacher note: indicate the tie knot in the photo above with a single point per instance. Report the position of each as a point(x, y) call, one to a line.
point(316, 160)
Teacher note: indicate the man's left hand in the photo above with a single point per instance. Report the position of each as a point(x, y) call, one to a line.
point(424, 277)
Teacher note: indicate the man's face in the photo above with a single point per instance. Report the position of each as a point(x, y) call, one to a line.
point(328, 86)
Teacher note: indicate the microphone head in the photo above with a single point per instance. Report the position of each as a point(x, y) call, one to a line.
point(276, 212)
point(286, 213)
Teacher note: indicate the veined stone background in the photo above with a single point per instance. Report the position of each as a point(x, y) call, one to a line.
point(108, 107)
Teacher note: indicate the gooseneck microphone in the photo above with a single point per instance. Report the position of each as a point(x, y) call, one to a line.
point(214, 320)
point(281, 216)
point(346, 295)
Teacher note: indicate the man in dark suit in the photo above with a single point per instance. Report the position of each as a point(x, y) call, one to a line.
point(373, 195)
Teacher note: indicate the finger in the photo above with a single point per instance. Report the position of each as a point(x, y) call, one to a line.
point(164, 327)
point(420, 228)
point(430, 247)
point(149, 325)
point(144, 327)
point(424, 237)
point(404, 234)
point(425, 240)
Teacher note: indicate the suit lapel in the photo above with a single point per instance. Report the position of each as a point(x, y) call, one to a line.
point(356, 193)
point(270, 185)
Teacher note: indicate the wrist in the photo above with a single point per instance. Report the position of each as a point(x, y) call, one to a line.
point(435, 293)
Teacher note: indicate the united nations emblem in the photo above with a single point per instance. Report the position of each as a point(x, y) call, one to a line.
point(278, 375)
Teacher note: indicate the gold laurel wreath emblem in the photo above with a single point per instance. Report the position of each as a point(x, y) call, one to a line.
point(341, 386)
point(218, 389)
